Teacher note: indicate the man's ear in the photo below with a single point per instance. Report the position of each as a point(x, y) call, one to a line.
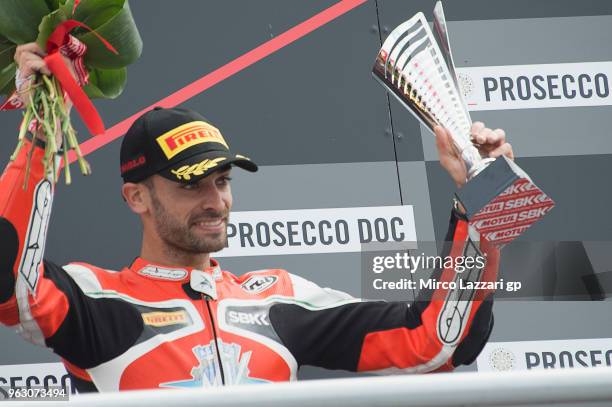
point(136, 196)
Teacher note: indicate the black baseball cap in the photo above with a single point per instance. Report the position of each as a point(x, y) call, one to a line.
point(178, 144)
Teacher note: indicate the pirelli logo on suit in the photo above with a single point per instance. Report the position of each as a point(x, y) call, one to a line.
point(161, 318)
point(181, 138)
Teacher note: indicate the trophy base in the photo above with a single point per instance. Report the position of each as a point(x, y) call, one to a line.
point(501, 201)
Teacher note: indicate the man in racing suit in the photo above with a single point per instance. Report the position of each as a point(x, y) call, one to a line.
point(174, 318)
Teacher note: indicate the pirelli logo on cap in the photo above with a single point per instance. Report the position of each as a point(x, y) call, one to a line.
point(160, 318)
point(188, 135)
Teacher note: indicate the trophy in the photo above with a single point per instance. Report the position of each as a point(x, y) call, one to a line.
point(500, 199)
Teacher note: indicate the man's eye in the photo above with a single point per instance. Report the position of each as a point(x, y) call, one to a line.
point(189, 187)
point(225, 180)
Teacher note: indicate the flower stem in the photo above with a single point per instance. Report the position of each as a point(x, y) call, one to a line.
point(48, 108)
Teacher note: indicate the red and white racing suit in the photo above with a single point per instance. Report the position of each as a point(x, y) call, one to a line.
point(147, 327)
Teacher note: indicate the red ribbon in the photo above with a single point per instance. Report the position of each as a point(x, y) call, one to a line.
point(58, 67)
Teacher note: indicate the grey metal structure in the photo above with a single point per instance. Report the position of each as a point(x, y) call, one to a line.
point(589, 387)
point(326, 135)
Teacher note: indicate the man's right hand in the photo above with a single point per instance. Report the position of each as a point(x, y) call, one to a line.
point(29, 59)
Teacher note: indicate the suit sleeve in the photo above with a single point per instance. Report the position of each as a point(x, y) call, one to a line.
point(39, 298)
point(25, 208)
point(442, 329)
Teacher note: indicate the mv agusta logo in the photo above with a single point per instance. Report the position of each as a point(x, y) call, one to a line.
point(208, 373)
point(257, 284)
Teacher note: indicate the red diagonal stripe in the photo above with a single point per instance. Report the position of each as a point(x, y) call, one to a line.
point(224, 72)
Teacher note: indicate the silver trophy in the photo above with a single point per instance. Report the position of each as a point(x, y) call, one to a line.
point(500, 199)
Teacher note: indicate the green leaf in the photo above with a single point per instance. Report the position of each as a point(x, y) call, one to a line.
point(106, 83)
point(19, 19)
point(48, 25)
point(7, 75)
point(67, 6)
point(8, 89)
point(121, 32)
point(53, 4)
point(7, 51)
point(95, 13)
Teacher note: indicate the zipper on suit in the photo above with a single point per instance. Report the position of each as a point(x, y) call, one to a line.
point(206, 299)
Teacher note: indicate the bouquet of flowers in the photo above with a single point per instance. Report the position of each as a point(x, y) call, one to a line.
point(99, 37)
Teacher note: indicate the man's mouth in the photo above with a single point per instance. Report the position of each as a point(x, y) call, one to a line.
point(211, 224)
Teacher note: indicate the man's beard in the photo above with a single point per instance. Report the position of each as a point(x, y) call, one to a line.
point(180, 237)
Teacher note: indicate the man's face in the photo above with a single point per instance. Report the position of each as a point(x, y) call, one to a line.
point(192, 218)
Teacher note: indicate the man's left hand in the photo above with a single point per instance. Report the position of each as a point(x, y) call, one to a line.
point(490, 143)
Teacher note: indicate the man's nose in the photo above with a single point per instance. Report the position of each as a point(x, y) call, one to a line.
point(213, 198)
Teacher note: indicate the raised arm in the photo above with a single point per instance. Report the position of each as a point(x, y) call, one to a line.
point(25, 208)
point(38, 298)
point(440, 331)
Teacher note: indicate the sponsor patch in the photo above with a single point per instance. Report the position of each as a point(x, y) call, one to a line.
point(130, 165)
point(187, 171)
point(163, 273)
point(248, 318)
point(188, 135)
point(161, 318)
point(257, 284)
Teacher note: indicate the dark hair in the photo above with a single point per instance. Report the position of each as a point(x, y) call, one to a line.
point(148, 182)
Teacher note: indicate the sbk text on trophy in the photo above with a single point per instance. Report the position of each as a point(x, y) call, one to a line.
point(500, 199)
